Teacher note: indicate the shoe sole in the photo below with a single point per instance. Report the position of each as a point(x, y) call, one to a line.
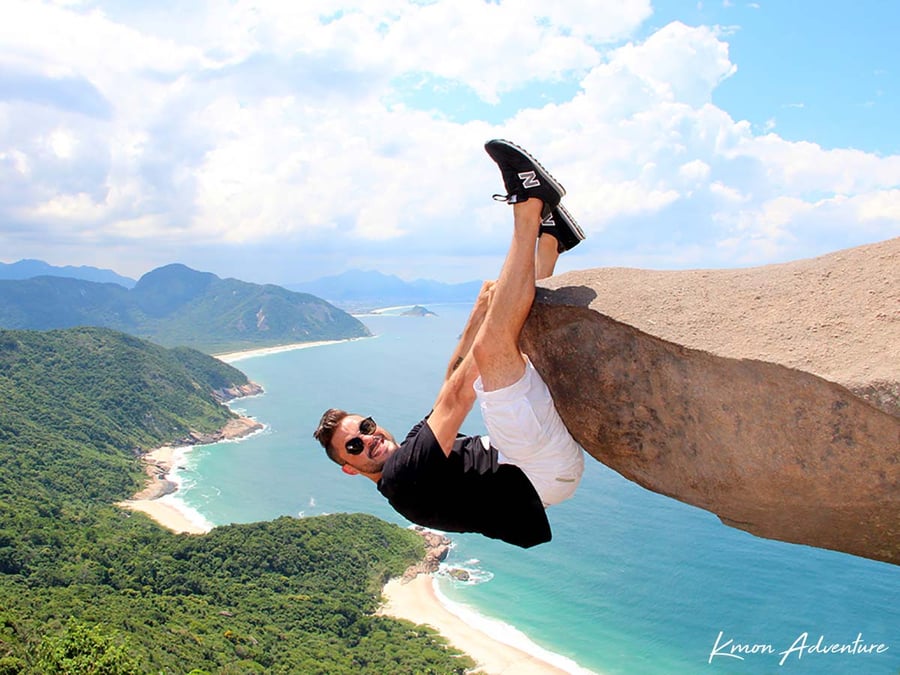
point(542, 172)
point(563, 224)
point(571, 223)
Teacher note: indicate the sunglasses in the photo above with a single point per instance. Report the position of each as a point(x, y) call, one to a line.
point(355, 445)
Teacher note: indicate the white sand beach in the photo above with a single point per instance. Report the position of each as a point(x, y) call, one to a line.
point(232, 357)
point(415, 600)
point(156, 498)
point(166, 514)
point(153, 501)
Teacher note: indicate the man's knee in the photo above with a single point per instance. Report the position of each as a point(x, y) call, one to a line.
point(489, 347)
point(500, 363)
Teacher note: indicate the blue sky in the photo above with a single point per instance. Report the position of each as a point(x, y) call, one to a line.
point(281, 141)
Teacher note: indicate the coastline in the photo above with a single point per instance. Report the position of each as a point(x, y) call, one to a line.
point(418, 601)
point(152, 499)
point(157, 498)
point(231, 357)
point(496, 647)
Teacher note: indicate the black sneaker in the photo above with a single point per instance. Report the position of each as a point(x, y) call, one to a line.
point(523, 176)
point(560, 224)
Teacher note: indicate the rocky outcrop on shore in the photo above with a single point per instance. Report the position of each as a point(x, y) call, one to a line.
point(741, 391)
point(158, 485)
point(226, 394)
point(437, 546)
point(237, 427)
point(158, 464)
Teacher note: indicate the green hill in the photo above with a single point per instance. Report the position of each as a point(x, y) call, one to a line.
point(175, 305)
point(86, 587)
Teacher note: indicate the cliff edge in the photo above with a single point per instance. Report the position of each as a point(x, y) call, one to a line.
point(769, 396)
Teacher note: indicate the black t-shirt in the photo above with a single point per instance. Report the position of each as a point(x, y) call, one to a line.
point(469, 491)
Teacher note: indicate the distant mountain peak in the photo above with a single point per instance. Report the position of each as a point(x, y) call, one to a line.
point(174, 305)
point(28, 268)
point(162, 290)
point(176, 274)
point(369, 288)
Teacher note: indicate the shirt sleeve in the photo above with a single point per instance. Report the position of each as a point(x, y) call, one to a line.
point(414, 464)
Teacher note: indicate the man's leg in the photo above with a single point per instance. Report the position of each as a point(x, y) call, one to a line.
point(533, 194)
point(546, 256)
point(559, 232)
point(496, 349)
point(516, 404)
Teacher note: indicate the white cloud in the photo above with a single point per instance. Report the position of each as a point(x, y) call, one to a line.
point(727, 193)
point(694, 171)
point(276, 128)
point(801, 167)
point(678, 63)
point(875, 207)
point(62, 143)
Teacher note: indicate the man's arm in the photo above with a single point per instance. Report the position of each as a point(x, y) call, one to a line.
point(457, 396)
point(476, 318)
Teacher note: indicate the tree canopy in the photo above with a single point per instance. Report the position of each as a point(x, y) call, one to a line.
point(86, 587)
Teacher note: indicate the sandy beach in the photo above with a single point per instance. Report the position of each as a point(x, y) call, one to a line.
point(157, 497)
point(152, 499)
point(232, 357)
point(166, 514)
point(415, 600)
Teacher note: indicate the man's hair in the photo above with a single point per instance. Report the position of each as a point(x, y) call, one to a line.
point(323, 433)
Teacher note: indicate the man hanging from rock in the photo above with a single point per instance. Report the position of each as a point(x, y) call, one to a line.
point(498, 485)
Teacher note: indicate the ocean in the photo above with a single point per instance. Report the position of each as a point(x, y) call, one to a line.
point(633, 582)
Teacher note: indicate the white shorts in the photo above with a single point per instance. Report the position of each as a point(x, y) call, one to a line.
point(527, 431)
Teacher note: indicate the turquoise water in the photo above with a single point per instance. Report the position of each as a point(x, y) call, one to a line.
point(632, 582)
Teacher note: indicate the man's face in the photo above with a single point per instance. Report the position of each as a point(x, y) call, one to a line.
point(376, 446)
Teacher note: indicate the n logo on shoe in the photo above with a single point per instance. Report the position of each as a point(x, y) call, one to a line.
point(529, 179)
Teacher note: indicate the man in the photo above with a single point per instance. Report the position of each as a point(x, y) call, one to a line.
point(497, 485)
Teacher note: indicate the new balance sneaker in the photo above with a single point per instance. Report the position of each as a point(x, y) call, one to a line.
point(523, 176)
point(560, 224)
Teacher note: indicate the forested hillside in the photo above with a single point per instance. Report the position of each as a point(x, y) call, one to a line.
point(88, 588)
point(175, 305)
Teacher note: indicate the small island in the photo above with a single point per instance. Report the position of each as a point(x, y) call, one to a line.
point(418, 310)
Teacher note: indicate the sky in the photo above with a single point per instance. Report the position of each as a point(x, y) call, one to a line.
point(281, 141)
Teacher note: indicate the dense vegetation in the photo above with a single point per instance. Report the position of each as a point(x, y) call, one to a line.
point(88, 588)
point(175, 305)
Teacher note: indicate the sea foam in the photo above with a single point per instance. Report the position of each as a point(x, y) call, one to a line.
point(507, 634)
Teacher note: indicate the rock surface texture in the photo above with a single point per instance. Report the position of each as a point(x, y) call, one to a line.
point(768, 396)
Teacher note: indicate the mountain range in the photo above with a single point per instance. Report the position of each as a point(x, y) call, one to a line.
point(358, 289)
point(26, 269)
point(353, 290)
point(175, 305)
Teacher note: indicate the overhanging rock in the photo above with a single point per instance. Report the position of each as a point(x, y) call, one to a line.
point(776, 451)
